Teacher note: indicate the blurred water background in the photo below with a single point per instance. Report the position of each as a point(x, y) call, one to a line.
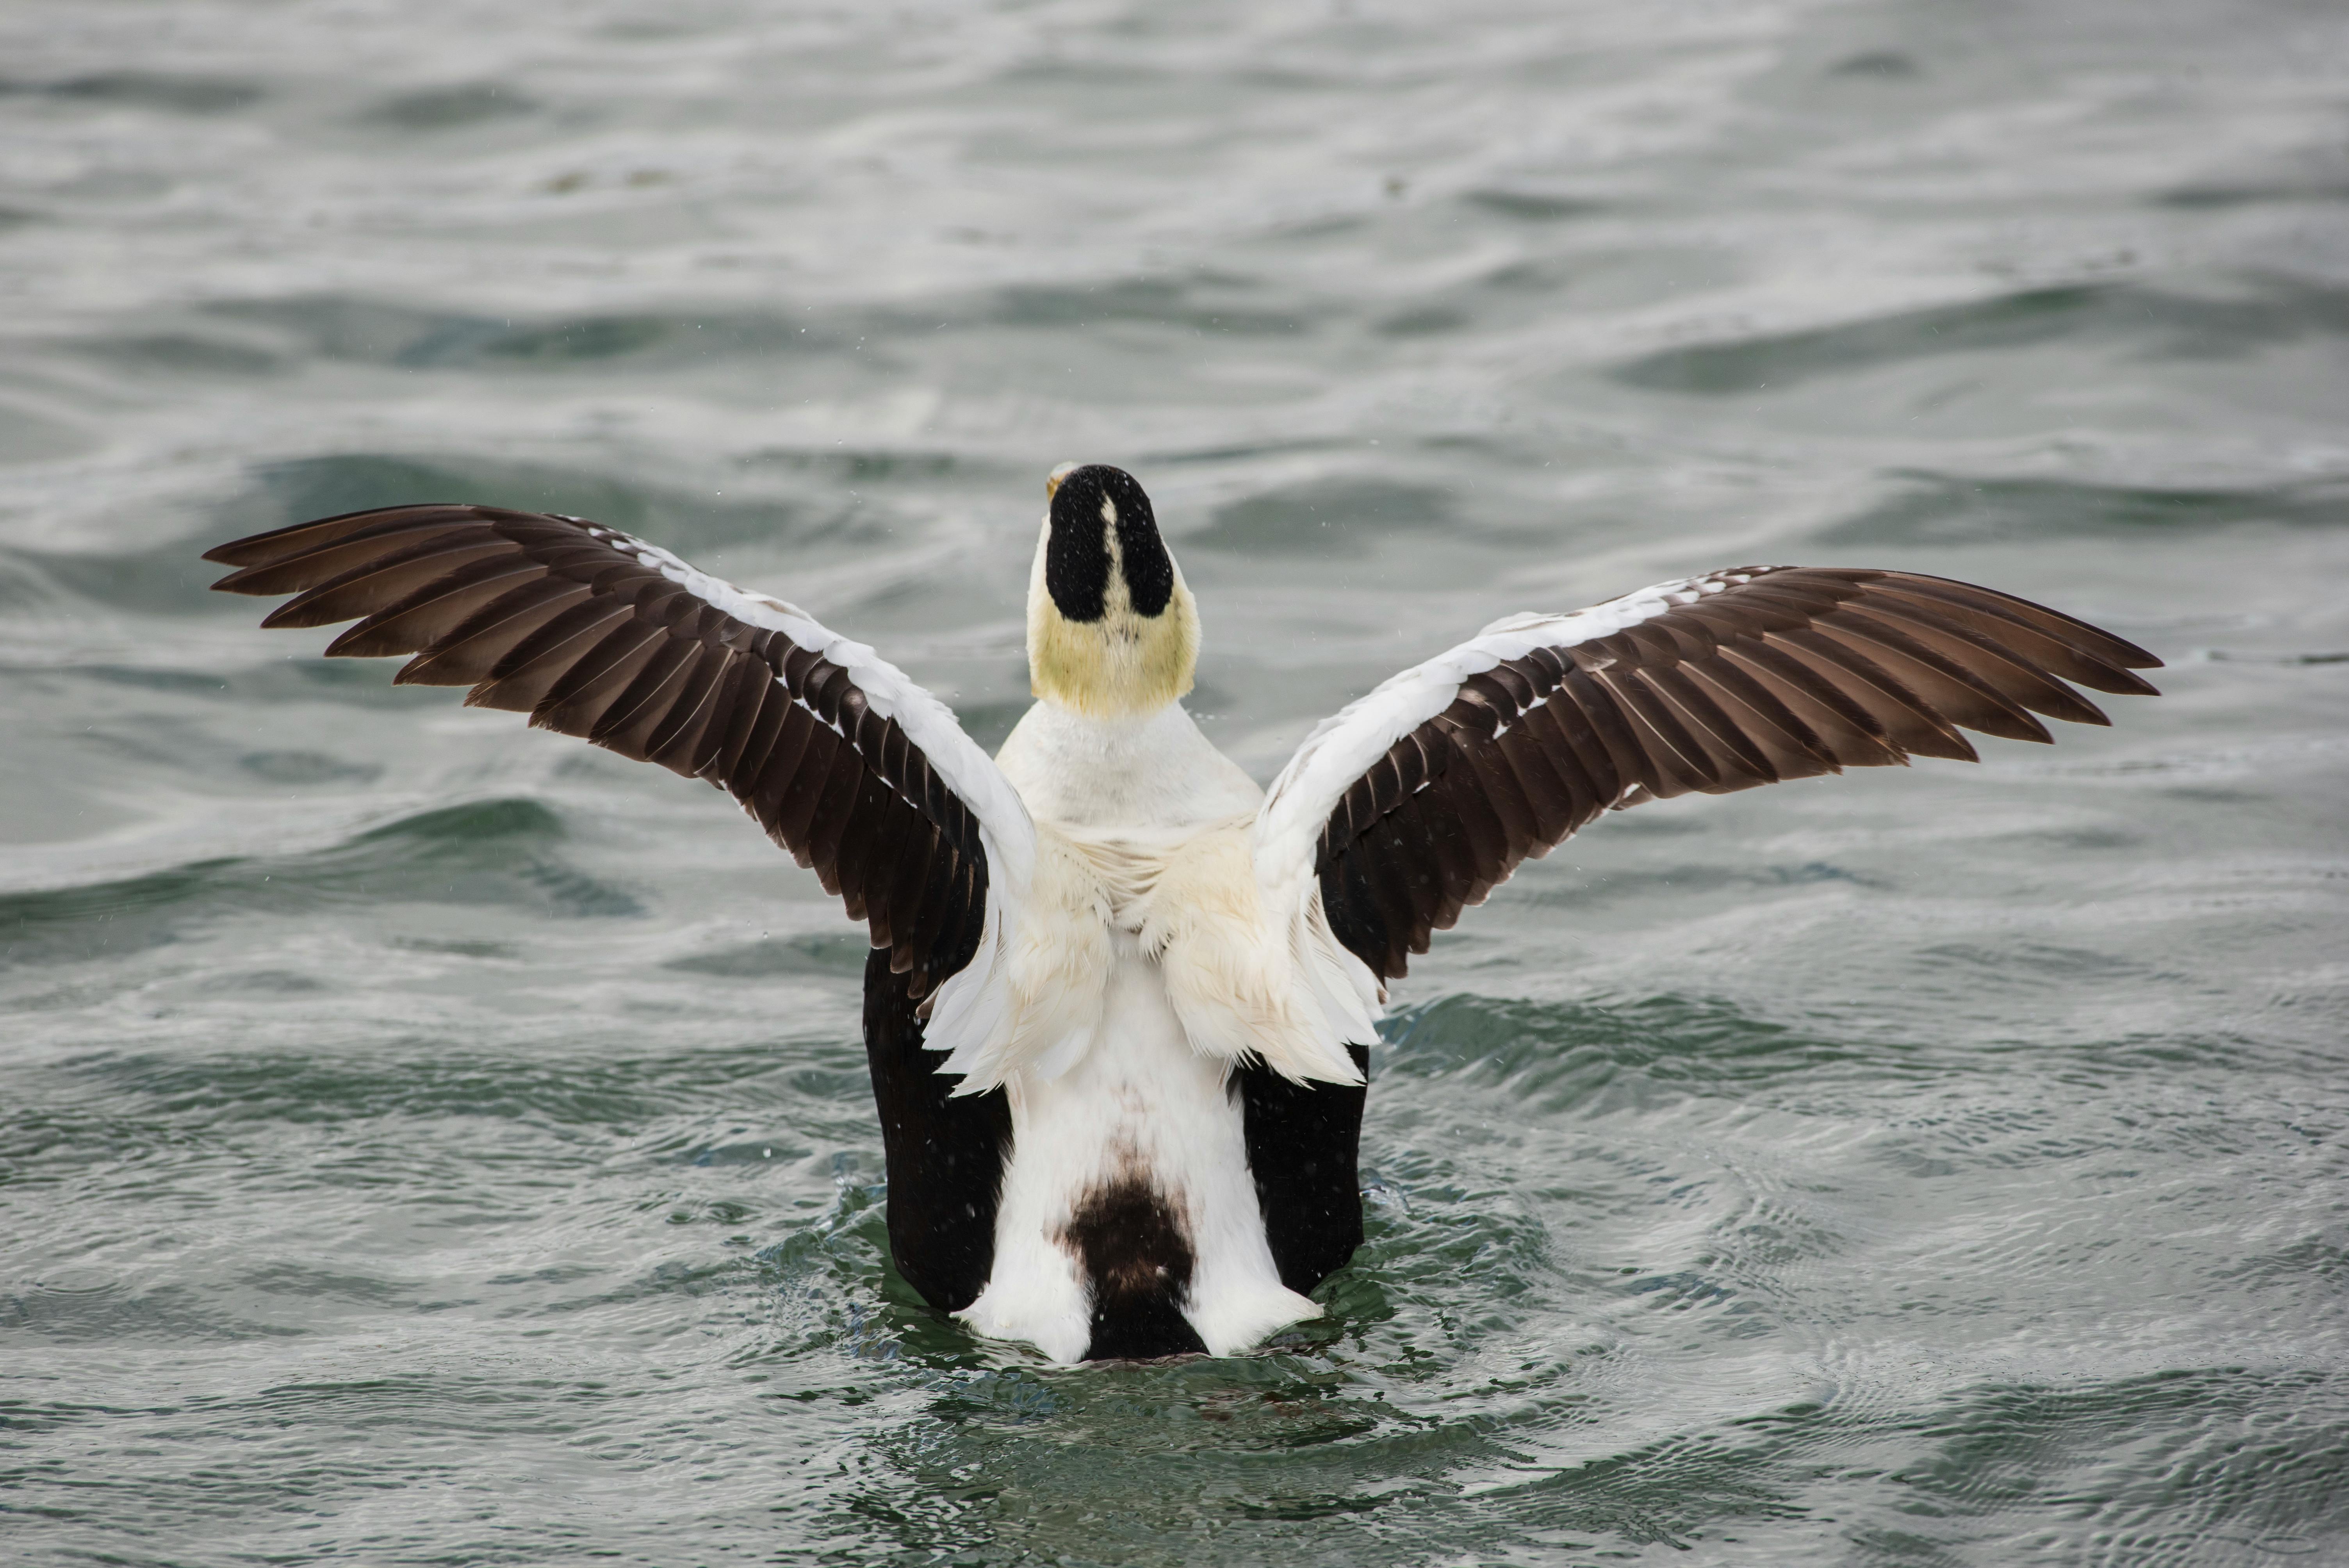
point(423, 1140)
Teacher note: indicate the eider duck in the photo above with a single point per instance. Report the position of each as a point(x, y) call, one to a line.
point(1119, 1000)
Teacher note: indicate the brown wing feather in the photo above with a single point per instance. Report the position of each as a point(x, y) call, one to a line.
point(548, 615)
point(1793, 673)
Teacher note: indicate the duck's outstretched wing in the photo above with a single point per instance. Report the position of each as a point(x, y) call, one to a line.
point(1417, 801)
point(847, 764)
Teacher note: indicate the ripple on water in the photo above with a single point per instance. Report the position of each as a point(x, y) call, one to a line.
point(325, 486)
point(2149, 321)
point(493, 852)
point(1930, 508)
point(420, 1143)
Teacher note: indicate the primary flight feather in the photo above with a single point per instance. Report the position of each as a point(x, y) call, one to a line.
point(1120, 999)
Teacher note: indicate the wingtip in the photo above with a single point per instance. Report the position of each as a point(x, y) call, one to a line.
point(277, 543)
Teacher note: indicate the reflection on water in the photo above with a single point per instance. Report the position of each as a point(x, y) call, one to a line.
point(422, 1140)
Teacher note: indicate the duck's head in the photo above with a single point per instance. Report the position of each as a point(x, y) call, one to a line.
point(1112, 630)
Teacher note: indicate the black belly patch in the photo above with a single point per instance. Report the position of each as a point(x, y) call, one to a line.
point(1302, 1144)
point(944, 1154)
point(1138, 1263)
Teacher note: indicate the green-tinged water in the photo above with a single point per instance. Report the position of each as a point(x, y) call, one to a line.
point(427, 1141)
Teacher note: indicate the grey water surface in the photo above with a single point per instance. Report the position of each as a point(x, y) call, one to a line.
point(425, 1140)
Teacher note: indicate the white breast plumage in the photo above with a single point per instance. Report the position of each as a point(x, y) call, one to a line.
point(1150, 968)
point(1245, 982)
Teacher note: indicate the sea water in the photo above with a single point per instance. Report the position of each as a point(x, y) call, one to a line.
point(425, 1140)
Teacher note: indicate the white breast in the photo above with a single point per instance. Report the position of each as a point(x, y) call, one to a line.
point(1165, 971)
point(1132, 775)
point(1144, 1103)
point(1144, 827)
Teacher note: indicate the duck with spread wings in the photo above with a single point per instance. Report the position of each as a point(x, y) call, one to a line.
point(1120, 998)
